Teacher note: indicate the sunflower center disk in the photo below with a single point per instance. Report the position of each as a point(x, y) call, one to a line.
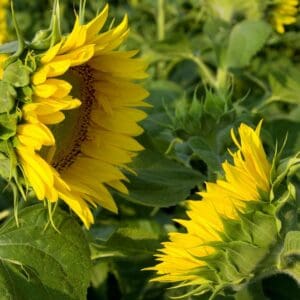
point(73, 131)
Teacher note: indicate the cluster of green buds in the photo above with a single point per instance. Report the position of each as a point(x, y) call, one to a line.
point(200, 115)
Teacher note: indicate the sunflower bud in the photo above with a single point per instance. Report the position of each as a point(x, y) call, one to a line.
point(46, 38)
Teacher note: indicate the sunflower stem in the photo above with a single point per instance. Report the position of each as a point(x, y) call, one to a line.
point(21, 42)
point(16, 206)
point(160, 23)
point(204, 71)
point(160, 20)
point(50, 214)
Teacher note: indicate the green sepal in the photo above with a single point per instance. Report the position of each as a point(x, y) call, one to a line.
point(261, 227)
point(55, 24)
point(17, 74)
point(203, 272)
point(225, 271)
point(8, 126)
point(26, 96)
point(234, 230)
point(215, 104)
point(286, 210)
point(82, 7)
point(282, 168)
point(245, 257)
point(289, 260)
point(188, 115)
point(199, 289)
point(9, 160)
point(46, 38)
point(41, 40)
point(5, 164)
point(7, 97)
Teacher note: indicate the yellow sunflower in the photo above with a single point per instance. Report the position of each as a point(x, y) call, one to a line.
point(185, 257)
point(3, 31)
point(77, 155)
point(3, 22)
point(284, 13)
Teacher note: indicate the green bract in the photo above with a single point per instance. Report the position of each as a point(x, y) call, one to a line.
point(8, 97)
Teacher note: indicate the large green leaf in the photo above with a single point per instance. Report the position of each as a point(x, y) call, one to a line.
point(37, 262)
point(121, 250)
point(129, 239)
point(160, 182)
point(245, 40)
point(205, 152)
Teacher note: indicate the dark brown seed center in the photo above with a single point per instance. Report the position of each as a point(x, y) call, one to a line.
point(73, 131)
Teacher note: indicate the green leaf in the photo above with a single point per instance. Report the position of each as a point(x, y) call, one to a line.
point(17, 74)
point(160, 182)
point(37, 262)
point(7, 97)
point(245, 40)
point(5, 166)
point(205, 152)
point(130, 239)
point(214, 105)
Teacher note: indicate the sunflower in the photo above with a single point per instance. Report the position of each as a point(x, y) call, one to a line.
point(189, 257)
point(284, 13)
point(77, 133)
point(3, 31)
point(3, 23)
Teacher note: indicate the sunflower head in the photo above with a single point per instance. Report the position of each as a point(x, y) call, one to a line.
point(282, 13)
point(75, 108)
point(232, 234)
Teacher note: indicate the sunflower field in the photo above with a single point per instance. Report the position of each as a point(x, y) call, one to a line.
point(150, 149)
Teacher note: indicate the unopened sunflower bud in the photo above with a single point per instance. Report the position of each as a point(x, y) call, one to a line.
point(237, 231)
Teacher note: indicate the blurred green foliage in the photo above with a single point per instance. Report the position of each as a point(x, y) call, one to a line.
point(212, 64)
